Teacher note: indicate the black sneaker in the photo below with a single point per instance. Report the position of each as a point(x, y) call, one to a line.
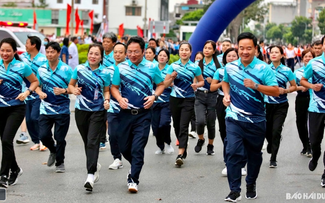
point(210, 149)
point(322, 182)
point(303, 151)
point(199, 145)
point(179, 160)
point(233, 197)
point(13, 177)
point(308, 153)
point(312, 164)
point(51, 159)
point(251, 191)
point(273, 164)
point(4, 181)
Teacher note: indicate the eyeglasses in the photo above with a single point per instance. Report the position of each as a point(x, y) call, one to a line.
point(134, 52)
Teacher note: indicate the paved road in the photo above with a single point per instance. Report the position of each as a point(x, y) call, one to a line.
point(199, 180)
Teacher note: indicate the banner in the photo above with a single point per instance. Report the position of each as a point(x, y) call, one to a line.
point(121, 30)
point(77, 19)
point(67, 31)
point(140, 31)
point(91, 16)
point(35, 27)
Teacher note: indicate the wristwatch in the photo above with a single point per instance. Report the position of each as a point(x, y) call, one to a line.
point(30, 91)
point(256, 86)
point(156, 97)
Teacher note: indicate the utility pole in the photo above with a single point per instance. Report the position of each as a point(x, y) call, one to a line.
point(145, 20)
point(72, 14)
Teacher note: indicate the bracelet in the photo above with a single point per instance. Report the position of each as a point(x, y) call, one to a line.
point(107, 100)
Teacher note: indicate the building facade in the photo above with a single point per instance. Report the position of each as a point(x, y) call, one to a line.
point(132, 13)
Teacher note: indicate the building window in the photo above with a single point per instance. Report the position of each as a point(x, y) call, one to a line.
point(59, 1)
point(77, 1)
point(85, 17)
point(133, 11)
point(95, 1)
point(55, 17)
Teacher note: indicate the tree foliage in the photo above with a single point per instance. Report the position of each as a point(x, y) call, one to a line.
point(42, 4)
point(10, 4)
point(300, 26)
point(191, 16)
point(321, 21)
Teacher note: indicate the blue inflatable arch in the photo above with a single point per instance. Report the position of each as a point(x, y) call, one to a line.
point(215, 21)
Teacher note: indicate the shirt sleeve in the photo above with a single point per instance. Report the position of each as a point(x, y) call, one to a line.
point(69, 74)
point(75, 74)
point(157, 77)
point(107, 81)
point(308, 72)
point(198, 71)
point(291, 76)
point(225, 77)
point(170, 69)
point(269, 77)
point(116, 76)
point(27, 70)
point(216, 75)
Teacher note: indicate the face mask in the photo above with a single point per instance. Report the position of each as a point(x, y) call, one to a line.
point(45, 43)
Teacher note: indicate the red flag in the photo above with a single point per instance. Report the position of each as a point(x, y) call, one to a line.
point(77, 19)
point(34, 21)
point(82, 26)
point(121, 29)
point(140, 31)
point(91, 16)
point(67, 31)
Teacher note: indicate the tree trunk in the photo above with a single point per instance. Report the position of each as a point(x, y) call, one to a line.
point(234, 26)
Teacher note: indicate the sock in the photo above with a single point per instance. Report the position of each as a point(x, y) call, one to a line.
point(90, 178)
point(23, 133)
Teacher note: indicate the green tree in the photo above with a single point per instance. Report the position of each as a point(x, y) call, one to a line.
point(42, 4)
point(10, 4)
point(269, 26)
point(289, 38)
point(191, 16)
point(321, 21)
point(274, 33)
point(300, 26)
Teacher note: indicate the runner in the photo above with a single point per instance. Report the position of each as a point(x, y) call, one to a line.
point(182, 97)
point(277, 107)
point(302, 103)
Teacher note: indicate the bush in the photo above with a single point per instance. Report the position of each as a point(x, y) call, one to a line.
point(173, 58)
point(82, 57)
point(82, 47)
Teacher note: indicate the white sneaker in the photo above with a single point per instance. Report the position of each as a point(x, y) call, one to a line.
point(96, 175)
point(116, 164)
point(169, 149)
point(243, 172)
point(133, 187)
point(192, 134)
point(89, 185)
point(224, 171)
point(159, 151)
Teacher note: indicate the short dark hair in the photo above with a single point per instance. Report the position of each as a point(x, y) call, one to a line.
point(247, 35)
point(13, 45)
point(66, 41)
point(120, 43)
point(185, 42)
point(152, 39)
point(281, 51)
point(318, 42)
point(224, 57)
point(73, 38)
point(167, 53)
point(101, 49)
point(152, 49)
point(110, 35)
point(54, 45)
point(35, 40)
point(138, 40)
